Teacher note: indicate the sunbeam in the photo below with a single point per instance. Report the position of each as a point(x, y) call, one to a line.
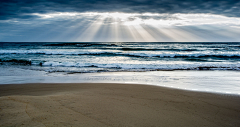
point(137, 27)
point(90, 32)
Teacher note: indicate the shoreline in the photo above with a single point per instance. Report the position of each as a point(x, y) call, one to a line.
point(223, 82)
point(113, 104)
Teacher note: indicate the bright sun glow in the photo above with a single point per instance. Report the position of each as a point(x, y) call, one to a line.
point(149, 18)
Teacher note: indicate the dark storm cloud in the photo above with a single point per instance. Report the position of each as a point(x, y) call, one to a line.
point(20, 8)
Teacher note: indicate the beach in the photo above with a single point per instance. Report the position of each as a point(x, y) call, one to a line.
point(119, 84)
point(113, 104)
point(134, 63)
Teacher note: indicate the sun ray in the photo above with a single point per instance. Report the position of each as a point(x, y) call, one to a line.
point(103, 32)
point(144, 34)
point(88, 34)
point(145, 27)
point(53, 29)
point(158, 34)
point(116, 25)
point(133, 35)
point(136, 36)
point(72, 28)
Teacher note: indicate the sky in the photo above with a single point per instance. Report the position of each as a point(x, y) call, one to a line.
point(119, 20)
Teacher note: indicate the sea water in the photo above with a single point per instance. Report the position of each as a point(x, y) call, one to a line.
point(46, 62)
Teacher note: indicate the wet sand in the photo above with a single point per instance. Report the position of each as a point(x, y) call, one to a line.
point(106, 104)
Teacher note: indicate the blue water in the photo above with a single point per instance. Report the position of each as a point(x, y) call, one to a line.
point(115, 57)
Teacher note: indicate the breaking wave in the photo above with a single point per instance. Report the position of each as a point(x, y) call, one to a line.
point(167, 55)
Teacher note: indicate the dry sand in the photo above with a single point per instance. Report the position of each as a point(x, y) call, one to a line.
point(118, 105)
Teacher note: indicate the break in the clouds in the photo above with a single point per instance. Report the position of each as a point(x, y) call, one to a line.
point(122, 20)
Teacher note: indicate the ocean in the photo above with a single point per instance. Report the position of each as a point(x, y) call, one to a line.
point(20, 61)
point(114, 57)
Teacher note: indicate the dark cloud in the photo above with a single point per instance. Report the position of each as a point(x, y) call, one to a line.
point(20, 8)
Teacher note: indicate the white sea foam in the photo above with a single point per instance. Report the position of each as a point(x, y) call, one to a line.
point(63, 64)
point(52, 52)
point(172, 66)
point(184, 54)
point(137, 54)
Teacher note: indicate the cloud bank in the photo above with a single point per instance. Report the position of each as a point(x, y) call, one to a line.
point(10, 9)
